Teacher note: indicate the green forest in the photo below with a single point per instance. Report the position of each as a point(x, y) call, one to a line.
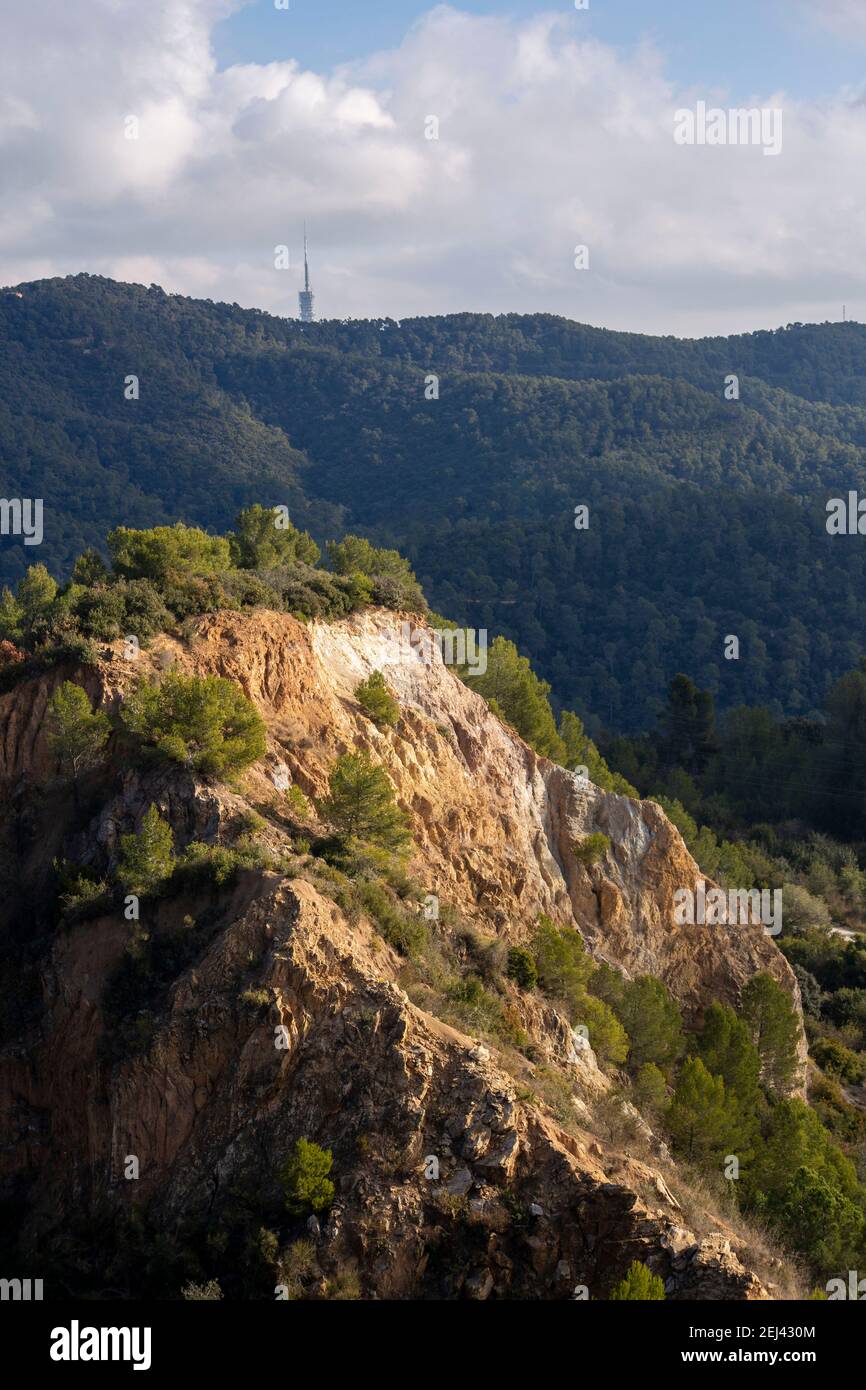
point(467, 441)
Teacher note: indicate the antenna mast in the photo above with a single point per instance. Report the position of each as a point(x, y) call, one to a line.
point(306, 298)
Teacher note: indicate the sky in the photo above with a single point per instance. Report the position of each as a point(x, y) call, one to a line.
point(185, 142)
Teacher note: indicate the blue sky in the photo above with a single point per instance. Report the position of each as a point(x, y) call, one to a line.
point(744, 47)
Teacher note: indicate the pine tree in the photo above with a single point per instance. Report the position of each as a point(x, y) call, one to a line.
point(77, 735)
point(770, 1017)
point(726, 1048)
point(688, 728)
point(640, 1285)
point(653, 1022)
point(146, 857)
point(305, 1178)
point(701, 1120)
point(513, 690)
point(263, 539)
point(35, 594)
point(206, 722)
point(650, 1089)
point(360, 804)
point(562, 960)
point(374, 696)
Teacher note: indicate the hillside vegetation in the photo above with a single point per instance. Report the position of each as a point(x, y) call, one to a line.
point(706, 515)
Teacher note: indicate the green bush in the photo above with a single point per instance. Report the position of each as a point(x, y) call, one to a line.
point(146, 857)
point(264, 536)
point(360, 804)
point(834, 1057)
point(79, 889)
point(591, 848)
point(522, 968)
point(402, 929)
point(393, 583)
point(205, 722)
point(640, 1285)
point(305, 1180)
point(297, 802)
point(607, 1037)
point(376, 699)
point(77, 735)
point(562, 961)
point(166, 552)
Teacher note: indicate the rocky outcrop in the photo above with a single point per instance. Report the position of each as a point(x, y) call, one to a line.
point(493, 823)
point(284, 1018)
point(449, 1185)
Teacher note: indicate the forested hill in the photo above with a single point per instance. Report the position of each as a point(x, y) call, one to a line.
point(706, 515)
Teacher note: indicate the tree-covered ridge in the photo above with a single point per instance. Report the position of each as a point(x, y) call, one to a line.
point(156, 579)
point(706, 515)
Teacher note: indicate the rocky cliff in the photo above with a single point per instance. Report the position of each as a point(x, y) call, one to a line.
point(282, 1013)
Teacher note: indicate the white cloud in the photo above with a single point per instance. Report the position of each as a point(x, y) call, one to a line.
point(846, 17)
point(547, 140)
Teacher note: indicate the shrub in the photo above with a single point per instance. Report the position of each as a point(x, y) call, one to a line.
point(522, 968)
point(802, 911)
point(80, 892)
point(640, 1285)
point(297, 1265)
point(477, 1008)
point(205, 722)
point(607, 1037)
point(561, 961)
point(374, 696)
point(258, 999)
point(650, 1089)
point(810, 991)
point(202, 1293)
point(297, 802)
point(243, 589)
point(393, 583)
point(360, 804)
point(167, 552)
point(401, 929)
point(107, 611)
point(345, 1284)
point(218, 865)
point(77, 735)
point(305, 1178)
point(591, 848)
point(146, 858)
point(265, 536)
point(838, 1060)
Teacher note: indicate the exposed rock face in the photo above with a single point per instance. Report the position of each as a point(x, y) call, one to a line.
point(493, 822)
point(291, 1020)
